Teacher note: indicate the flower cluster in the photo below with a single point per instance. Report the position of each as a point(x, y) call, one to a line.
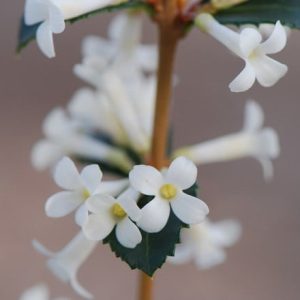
point(108, 126)
point(102, 207)
point(114, 118)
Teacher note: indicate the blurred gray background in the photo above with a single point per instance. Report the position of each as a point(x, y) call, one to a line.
point(264, 265)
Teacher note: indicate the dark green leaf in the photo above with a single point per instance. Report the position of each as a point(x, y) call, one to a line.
point(27, 33)
point(152, 252)
point(262, 11)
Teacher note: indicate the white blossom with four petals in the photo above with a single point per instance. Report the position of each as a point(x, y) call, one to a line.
point(107, 213)
point(168, 188)
point(254, 140)
point(249, 45)
point(79, 187)
point(65, 263)
point(205, 243)
point(50, 16)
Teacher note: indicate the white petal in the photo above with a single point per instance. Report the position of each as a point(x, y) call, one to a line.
point(66, 175)
point(128, 200)
point(56, 19)
point(276, 42)
point(90, 69)
point(116, 89)
point(223, 34)
point(79, 289)
point(113, 188)
point(98, 226)
point(39, 292)
point(81, 215)
point(154, 215)
point(268, 71)
point(95, 46)
point(45, 154)
point(189, 209)
point(183, 254)
point(268, 143)
point(244, 81)
point(100, 203)
point(128, 234)
point(35, 12)
point(44, 38)
point(209, 257)
point(254, 116)
point(225, 233)
point(267, 168)
point(91, 177)
point(57, 125)
point(182, 173)
point(42, 249)
point(147, 57)
point(86, 107)
point(266, 29)
point(62, 203)
point(146, 179)
point(116, 27)
point(249, 40)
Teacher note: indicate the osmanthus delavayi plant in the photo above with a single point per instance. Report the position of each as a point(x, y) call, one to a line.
point(118, 124)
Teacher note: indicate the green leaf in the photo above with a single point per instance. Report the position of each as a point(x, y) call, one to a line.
point(28, 33)
point(154, 249)
point(262, 11)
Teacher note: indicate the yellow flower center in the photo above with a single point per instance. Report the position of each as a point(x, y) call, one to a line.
point(118, 211)
point(86, 194)
point(168, 191)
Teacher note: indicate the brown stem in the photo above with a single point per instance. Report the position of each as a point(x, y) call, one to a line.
point(168, 43)
point(146, 287)
point(168, 39)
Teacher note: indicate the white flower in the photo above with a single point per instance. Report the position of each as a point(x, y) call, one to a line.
point(204, 243)
point(51, 16)
point(38, 292)
point(78, 188)
point(249, 46)
point(108, 213)
point(122, 51)
point(95, 112)
point(127, 114)
point(66, 263)
point(254, 141)
point(122, 70)
point(66, 136)
point(168, 188)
